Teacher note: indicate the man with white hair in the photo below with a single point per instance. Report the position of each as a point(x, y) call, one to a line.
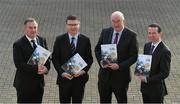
point(115, 77)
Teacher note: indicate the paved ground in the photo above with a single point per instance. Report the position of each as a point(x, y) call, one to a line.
point(94, 16)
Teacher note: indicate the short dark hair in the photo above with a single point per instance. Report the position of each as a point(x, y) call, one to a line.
point(29, 20)
point(71, 17)
point(156, 25)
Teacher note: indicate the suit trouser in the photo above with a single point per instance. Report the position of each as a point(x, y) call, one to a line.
point(106, 90)
point(30, 95)
point(74, 92)
point(152, 99)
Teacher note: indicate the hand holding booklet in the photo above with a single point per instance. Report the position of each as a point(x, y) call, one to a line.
point(108, 54)
point(39, 56)
point(143, 65)
point(74, 65)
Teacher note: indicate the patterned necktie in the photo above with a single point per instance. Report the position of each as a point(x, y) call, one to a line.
point(73, 45)
point(116, 38)
point(34, 44)
point(151, 49)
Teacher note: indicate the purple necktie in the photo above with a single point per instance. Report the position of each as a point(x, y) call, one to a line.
point(116, 38)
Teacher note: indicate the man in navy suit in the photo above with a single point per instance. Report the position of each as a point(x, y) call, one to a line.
point(115, 77)
point(71, 86)
point(153, 88)
point(29, 79)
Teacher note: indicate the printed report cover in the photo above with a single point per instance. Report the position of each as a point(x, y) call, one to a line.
point(143, 65)
point(108, 54)
point(74, 64)
point(39, 56)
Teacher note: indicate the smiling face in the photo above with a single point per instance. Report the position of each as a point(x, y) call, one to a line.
point(31, 29)
point(154, 35)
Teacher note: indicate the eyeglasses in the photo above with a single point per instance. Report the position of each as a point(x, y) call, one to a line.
point(72, 24)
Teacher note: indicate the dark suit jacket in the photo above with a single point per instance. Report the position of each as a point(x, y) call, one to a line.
point(27, 75)
point(62, 53)
point(127, 51)
point(160, 68)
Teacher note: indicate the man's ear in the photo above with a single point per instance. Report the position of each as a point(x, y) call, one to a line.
point(162, 34)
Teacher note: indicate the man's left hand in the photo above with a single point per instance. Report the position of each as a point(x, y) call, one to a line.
point(79, 73)
point(113, 66)
point(42, 70)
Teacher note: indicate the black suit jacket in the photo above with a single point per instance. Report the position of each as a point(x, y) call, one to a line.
point(62, 53)
point(127, 51)
point(160, 67)
point(27, 75)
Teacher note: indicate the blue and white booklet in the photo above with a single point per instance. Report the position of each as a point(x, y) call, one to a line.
point(108, 54)
point(143, 65)
point(74, 64)
point(39, 56)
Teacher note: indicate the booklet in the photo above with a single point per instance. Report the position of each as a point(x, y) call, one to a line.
point(143, 65)
point(39, 56)
point(108, 54)
point(74, 64)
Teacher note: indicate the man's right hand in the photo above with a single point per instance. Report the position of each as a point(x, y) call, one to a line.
point(66, 75)
point(103, 65)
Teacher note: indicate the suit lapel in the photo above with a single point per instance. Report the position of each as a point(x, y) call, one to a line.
point(78, 43)
point(39, 41)
point(28, 49)
point(122, 40)
point(27, 44)
point(110, 34)
point(157, 50)
point(147, 48)
point(68, 43)
point(122, 36)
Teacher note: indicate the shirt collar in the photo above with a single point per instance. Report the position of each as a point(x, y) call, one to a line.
point(120, 32)
point(31, 39)
point(70, 36)
point(156, 44)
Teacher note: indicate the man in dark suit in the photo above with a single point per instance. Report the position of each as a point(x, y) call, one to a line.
point(71, 86)
point(115, 77)
point(29, 79)
point(153, 88)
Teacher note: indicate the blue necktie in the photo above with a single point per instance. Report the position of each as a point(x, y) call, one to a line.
point(116, 38)
point(34, 44)
point(151, 49)
point(73, 45)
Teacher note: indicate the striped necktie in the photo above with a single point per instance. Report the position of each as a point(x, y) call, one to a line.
point(151, 49)
point(73, 45)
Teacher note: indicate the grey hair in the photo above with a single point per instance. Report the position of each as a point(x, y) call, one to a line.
point(118, 13)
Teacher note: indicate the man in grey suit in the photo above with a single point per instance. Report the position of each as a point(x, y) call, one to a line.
point(115, 77)
point(153, 88)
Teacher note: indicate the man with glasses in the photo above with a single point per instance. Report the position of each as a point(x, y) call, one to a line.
point(71, 86)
